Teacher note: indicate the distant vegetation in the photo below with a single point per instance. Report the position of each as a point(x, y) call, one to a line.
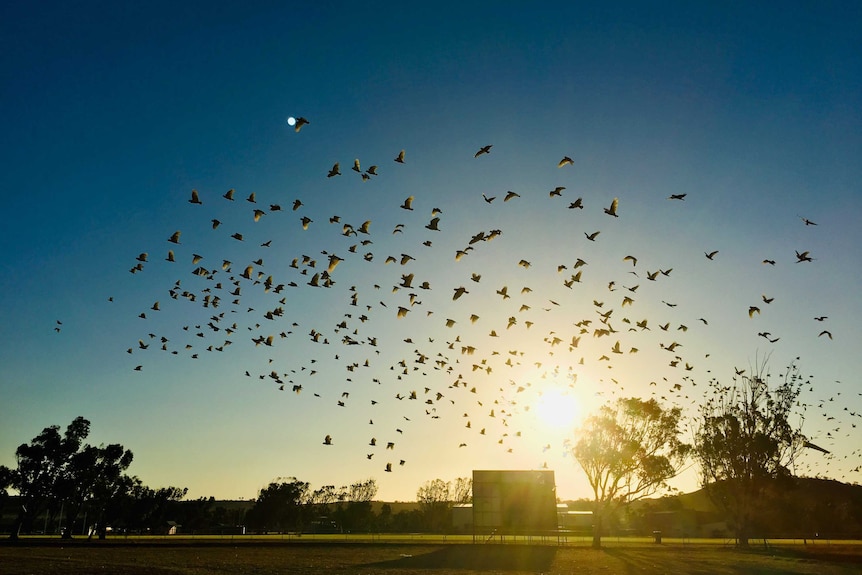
point(745, 445)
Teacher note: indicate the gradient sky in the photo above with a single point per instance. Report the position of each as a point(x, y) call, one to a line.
point(112, 114)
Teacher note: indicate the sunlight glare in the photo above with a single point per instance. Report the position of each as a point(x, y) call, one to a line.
point(557, 410)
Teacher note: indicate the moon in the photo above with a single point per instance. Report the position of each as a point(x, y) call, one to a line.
point(291, 121)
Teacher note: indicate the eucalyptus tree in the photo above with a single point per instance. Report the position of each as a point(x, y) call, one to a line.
point(746, 443)
point(628, 450)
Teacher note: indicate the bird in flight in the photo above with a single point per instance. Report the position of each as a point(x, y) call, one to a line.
point(710, 255)
point(566, 161)
point(677, 196)
point(300, 122)
point(400, 157)
point(335, 171)
point(483, 150)
point(612, 211)
point(459, 291)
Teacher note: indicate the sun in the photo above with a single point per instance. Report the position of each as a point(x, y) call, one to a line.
point(557, 410)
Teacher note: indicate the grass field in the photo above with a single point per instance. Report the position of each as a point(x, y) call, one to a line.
point(270, 556)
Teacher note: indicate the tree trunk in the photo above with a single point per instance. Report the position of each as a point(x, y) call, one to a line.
point(16, 527)
point(19, 523)
point(597, 529)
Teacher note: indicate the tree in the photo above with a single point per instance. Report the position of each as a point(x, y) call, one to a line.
point(146, 508)
point(357, 513)
point(629, 450)
point(462, 490)
point(41, 464)
point(745, 443)
point(57, 472)
point(437, 497)
point(5, 482)
point(279, 505)
point(92, 479)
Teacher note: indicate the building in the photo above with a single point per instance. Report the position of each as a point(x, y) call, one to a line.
point(516, 502)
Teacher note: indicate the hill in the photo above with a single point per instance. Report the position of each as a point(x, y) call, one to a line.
point(807, 508)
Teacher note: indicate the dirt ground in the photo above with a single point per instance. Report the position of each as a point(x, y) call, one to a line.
point(56, 558)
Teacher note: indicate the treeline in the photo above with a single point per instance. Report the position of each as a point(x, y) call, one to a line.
point(67, 483)
point(69, 487)
point(290, 505)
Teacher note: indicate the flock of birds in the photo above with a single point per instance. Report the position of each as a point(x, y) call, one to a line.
point(510, 326)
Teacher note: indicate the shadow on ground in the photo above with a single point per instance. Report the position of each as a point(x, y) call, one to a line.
point(477, 557)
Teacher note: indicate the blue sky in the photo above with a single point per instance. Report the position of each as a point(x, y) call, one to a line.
point(113, 114)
